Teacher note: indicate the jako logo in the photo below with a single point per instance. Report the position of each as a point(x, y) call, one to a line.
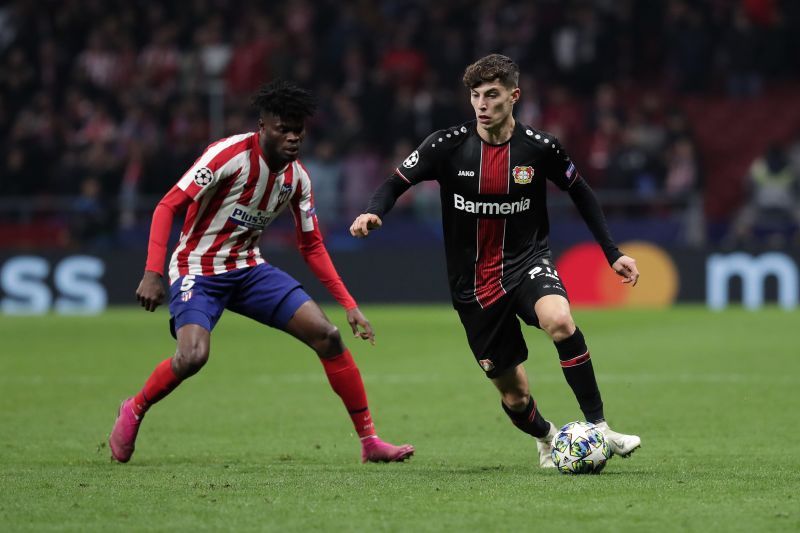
point(753, 271)
point(491, 208)
point(469, 173)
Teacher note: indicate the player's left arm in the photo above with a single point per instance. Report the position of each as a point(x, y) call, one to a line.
point(589, 207)
point(563, 173)
point(312, 248)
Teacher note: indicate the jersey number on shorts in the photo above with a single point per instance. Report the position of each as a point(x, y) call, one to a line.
point(187, 282)
point(551, 272)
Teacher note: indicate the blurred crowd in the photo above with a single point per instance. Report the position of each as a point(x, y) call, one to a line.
point(106, 103)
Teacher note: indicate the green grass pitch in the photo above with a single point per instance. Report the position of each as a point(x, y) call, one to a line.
point(258, 441)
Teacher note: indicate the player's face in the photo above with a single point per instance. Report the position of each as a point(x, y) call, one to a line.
point(493, 103)
point(281, 137)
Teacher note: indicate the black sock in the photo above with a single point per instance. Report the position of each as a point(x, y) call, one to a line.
point(576, 364)
point(529, 419)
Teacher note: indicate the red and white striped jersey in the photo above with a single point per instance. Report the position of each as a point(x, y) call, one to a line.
point(236, 195)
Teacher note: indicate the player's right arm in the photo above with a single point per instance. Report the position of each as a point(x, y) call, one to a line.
point(381, 202)
point(150, 293)
point(419, 166)
point(218, 162)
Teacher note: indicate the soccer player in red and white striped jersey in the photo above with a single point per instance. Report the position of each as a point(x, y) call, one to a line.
point(231, 193)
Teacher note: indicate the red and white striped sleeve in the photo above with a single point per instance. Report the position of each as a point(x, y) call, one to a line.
point(218, 162)
point(310, 243)
point(171, 204)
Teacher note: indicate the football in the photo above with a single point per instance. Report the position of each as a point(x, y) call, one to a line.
point(580, 448)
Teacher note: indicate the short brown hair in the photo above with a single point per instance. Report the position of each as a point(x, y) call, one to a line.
point(490, 68)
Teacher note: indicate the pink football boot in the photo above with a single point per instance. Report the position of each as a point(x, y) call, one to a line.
point(374, 450)
point(123, 437)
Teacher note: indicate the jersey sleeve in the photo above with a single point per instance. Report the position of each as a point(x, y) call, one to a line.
point(218, 162)
point(422, 164)
point(558, 166)
point(312, 247)
point(302, 203)
point(173, 202)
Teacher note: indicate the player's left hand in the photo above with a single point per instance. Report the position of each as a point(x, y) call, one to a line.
point(626, 267)
point(357, 319)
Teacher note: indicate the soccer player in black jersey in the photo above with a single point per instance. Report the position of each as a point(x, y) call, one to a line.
point(493, 174)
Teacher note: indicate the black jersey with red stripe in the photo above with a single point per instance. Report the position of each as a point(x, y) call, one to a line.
point(494, 208)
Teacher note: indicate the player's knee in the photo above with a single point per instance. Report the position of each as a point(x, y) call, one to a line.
point(190, 358)
point(559, 325)
point(328, 341)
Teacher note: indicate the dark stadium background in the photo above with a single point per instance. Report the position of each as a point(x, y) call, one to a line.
point(667, 107)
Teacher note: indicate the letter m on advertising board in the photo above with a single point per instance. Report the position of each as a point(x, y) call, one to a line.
point(753, 271)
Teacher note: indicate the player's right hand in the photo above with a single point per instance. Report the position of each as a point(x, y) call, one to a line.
point(363, 224)
point(150, 293)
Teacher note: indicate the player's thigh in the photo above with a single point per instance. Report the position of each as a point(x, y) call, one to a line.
point(542, 300)
point(268, 295)
point(311, 326)
point(199, 300)
point(494, 336)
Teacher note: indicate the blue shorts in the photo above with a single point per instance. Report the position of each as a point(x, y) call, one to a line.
point(264, 293)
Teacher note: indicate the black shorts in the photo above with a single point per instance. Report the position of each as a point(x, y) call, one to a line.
point(494, 333)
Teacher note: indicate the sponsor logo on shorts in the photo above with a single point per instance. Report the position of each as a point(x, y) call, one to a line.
point(523, 175)
point(486, 364)
point(467, 173)
point(186, 296)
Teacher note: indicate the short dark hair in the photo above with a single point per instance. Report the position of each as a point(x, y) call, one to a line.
point(284, 99)
point(490, 68)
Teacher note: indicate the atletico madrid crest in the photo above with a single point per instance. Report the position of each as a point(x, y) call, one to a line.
point(523, 175)
point(186, 296)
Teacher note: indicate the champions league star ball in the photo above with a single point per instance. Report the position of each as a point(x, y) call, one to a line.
point(580, 448)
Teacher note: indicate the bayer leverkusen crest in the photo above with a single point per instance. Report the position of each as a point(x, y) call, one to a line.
point(523, 175)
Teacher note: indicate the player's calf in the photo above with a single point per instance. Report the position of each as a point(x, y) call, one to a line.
point(576, 364)
point(190, 356)
point(531, 421)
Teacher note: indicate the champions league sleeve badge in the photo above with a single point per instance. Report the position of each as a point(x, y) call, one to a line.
point(203, 176)
point(411, 161)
